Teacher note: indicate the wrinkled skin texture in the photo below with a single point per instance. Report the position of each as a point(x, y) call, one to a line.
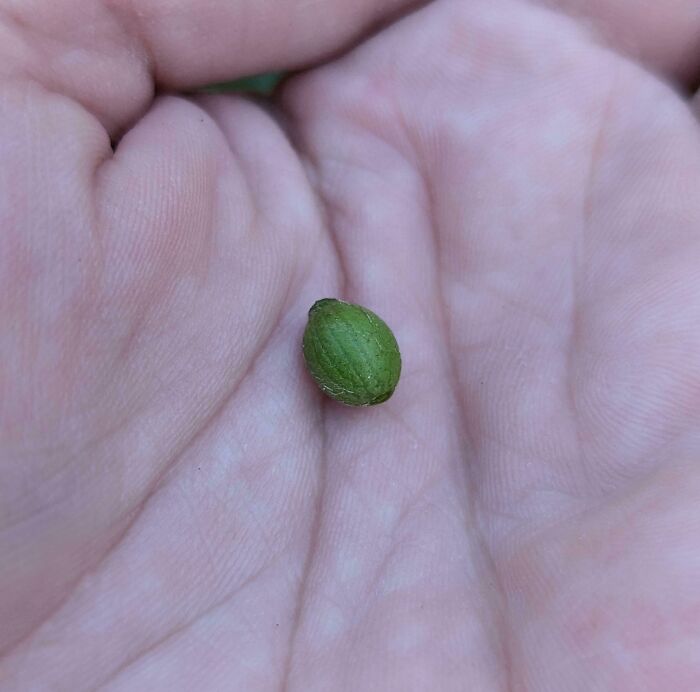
point(514, 186)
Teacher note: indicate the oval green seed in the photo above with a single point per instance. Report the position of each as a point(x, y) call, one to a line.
point(351, 353)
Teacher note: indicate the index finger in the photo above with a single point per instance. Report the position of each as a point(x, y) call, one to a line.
point(110, 56)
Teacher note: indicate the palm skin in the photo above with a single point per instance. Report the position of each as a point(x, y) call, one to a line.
point(181, 509)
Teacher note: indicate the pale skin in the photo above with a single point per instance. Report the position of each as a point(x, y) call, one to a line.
point(513, 186)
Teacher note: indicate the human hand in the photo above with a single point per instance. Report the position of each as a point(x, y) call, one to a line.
point(180, 509)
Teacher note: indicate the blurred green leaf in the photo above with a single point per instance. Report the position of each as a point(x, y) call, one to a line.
point(262, 84)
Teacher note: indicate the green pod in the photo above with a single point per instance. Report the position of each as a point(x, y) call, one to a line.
point(351, 353)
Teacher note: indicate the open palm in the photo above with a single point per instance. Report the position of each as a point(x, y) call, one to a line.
point(180, 508)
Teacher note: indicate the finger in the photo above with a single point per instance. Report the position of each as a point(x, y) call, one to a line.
point(160, 287)
point(665, 36)
point(109, 55)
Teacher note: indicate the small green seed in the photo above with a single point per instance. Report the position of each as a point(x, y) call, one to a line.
point(351, 353)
